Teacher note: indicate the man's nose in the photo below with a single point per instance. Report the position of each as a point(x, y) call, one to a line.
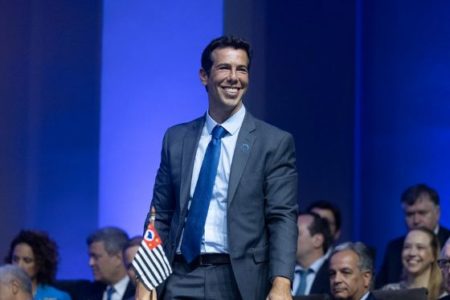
point(337, 278)
point(91, 261)
point(232, 76)
point(416, 219)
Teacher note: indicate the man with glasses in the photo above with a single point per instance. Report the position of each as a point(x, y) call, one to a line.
point(444, 264)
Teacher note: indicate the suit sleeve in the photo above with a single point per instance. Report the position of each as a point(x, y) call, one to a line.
point(280, 188)
point(163, 195)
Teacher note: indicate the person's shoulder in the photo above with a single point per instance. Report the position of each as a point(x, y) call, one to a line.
point(178, 128)
point(48, 291)
point(444, 230)
point(268, 129)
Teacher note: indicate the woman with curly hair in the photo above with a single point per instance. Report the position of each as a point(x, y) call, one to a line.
point(419, 258)
point(37, 254)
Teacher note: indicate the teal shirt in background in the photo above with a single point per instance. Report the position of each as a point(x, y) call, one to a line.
point(47, 292)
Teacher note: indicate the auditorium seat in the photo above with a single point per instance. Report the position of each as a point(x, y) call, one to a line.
point(408, 294)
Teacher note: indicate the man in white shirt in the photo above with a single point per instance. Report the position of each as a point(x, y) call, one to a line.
point(108, 268)
point(351, 272)
point(311, 272)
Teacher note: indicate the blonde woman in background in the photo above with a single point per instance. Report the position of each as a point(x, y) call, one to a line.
point(419, 258)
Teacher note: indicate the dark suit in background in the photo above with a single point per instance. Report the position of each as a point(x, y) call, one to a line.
point(391, 269)
point(321, 283)
point(96, 289)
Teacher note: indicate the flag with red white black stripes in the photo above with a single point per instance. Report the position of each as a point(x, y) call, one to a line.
point(150, 262)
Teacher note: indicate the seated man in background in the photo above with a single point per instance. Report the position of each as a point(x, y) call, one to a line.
point(106, 261)
point(421, 207)
point(14, 284)
point(331, 213)
point(351, 272)
point(311, 272)
point(444, 265)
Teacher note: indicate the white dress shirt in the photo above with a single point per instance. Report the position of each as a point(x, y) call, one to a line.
point(310, 275)
point(120, 288)
point(215, 238)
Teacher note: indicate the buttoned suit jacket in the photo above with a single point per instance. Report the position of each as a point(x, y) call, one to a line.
point(262, 200)
point(391, 269)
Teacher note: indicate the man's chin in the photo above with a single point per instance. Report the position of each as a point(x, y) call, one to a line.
point(340, 296)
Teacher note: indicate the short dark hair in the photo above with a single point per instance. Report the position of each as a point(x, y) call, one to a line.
point(412, 193)
point(113, 238)
point(45, 253)
point(319, 225)
point(324, 204)
point(224, 42)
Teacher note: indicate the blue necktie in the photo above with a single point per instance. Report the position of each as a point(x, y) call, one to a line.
point(302, 286)
point(109, 291)
point(195, 224)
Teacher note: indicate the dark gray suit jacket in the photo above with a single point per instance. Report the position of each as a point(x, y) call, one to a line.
point(262, 200)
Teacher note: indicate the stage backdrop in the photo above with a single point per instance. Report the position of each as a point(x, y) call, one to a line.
point(150, 81)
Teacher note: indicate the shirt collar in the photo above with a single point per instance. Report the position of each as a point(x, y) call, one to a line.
point(364, 297)
point(121, 286)
point(315, 266)
point(232, 124)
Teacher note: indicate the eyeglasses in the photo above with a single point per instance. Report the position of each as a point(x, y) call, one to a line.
point(444, 263)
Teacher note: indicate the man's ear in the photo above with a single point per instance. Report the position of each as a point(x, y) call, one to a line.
point(15, 287)
point(367, 277)
point(203, 76)
point(318, 240)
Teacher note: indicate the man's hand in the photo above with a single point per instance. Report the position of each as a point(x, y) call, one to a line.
point(281, 289)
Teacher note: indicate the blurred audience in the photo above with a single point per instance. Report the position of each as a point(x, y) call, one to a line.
point(419, 258)
point(14, 283)
point(351, 272)
point(311, 272)
point(331, 213)
point(129, 251)
point(421, 208)
point(106, 261)
point(35, 253)
point(444, 264)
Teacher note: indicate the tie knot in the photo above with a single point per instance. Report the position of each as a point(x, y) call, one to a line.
point(218, 132)
point(109, 291)
point(303, 272)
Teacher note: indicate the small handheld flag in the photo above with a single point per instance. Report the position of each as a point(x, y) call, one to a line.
point(150, 262)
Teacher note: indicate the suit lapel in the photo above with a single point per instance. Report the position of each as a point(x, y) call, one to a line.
point(244, 145)
point(190, 142)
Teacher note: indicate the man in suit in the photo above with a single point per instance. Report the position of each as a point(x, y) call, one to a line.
point(248, 240)
point(14, 284)
point(444, 264)
point(106, 261)
point(351, 272)
point(421, 207)
point(314, 238)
